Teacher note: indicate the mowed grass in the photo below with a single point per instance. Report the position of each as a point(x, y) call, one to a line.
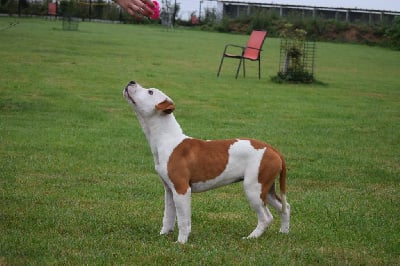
point(77, 181)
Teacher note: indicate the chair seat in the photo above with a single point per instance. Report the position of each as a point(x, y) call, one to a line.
point(233, 55)
point(252, 57)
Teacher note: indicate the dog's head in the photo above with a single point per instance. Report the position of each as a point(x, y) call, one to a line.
point(148, 102)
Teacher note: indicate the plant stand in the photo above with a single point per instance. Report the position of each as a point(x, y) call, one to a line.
point(296, 60)
point(70, 23)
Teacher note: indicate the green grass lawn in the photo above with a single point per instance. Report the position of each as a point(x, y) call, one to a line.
point(77, 181)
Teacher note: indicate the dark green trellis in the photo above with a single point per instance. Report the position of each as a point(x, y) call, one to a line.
point(297, 60)
point(297, 56)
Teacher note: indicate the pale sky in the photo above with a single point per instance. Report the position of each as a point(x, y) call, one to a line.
point(392, 5)
point(188, 6)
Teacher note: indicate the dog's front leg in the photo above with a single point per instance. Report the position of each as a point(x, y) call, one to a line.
point(169, 212)
point(182, 204)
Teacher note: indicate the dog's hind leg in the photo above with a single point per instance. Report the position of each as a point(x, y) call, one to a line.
point(253, 192)
point(169, 212)
point(276, 202)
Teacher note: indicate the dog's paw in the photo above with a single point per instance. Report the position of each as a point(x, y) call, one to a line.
point(182, 239)
point(284, 230)
point(253, 235)
point(166, 231)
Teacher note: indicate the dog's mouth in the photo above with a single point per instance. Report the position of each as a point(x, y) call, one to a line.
point(128, 96)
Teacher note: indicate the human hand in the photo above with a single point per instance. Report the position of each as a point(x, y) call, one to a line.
point(137, 8)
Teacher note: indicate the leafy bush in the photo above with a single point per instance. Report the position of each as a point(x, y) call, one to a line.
point(69, 8)
point(224, 24)
point(264, 20)
point(295, 54)
point(9, 7)
point(299, 76)
point(392, 34)
point(384, 34)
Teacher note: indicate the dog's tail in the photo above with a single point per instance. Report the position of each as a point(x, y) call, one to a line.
point(282, 185)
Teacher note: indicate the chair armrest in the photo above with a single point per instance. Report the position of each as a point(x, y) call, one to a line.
point(234, 45)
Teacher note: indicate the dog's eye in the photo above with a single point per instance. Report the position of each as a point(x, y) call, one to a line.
point(151, 92)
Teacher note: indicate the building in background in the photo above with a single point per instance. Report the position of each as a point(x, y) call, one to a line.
point(362, 10)
point(236, 8)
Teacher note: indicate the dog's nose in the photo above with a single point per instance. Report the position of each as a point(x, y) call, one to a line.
point(130, 84)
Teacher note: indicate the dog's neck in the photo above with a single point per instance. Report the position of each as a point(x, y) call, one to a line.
point(161, 131)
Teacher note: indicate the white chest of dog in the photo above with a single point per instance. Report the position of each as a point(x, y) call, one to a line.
point(188, 165)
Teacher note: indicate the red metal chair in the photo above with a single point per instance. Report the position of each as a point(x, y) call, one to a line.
point(251, 52)
point(52, 9)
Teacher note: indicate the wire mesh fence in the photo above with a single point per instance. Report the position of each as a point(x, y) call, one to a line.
point(70, 23)
point(297, 60)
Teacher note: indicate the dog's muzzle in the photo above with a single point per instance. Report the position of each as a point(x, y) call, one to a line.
point(126, 91)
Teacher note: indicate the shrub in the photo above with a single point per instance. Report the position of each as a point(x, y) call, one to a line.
point(264, 19)
point(224, 25)
point(300, 76)
point(392, 34)
point(295, 56)
point(69, 8)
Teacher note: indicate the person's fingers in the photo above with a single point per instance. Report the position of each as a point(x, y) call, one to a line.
point(138, 9)
point(147, 6)
point(149, 2)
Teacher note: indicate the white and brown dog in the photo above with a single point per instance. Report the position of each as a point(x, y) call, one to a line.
point(188, 165)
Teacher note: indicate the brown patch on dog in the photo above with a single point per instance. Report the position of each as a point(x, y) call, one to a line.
point(270, 168)
point(166, 106)
point(195, 160)
point(272, 164)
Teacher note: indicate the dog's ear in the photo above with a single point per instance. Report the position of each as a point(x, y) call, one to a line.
point(166, 106)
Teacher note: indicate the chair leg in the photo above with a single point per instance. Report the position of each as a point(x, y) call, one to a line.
point(220, 65)
point(259, 68)
point(240, 63)
point(244, 68)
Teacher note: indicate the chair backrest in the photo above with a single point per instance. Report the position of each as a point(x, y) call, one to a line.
point(254, 45)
